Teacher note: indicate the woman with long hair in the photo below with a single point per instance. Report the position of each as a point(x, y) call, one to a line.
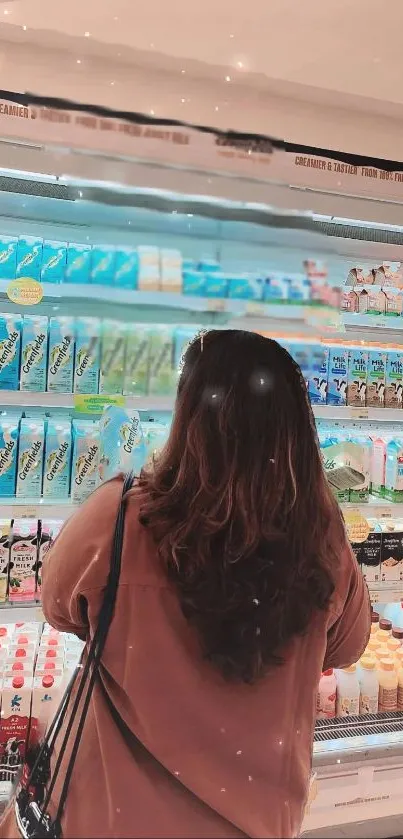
point(237, 588)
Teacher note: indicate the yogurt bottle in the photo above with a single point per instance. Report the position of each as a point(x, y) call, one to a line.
point(369, 686)
point(326, 697)
point(393, 645)
point(385, 630)
point(388, 683)
point(348, 692)
point(374, 623)
point(400, 688)
point(397, 633)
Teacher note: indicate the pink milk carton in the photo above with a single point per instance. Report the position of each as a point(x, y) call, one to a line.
point(14, 724)
point(45, 702)
point(23, 561)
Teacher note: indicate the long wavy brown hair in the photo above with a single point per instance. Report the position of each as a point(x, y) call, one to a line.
point(238, 503)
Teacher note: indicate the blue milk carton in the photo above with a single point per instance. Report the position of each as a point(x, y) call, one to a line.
point(34, 353)
point(194, 282)
point(123, 446)
point(10, 349)
point(9, 429)
point(29, 257)
point(85, 463)
point(318, 374)
point(137, 359)
point(126, 268)
point(61, 354)
point(30, 458)
point(54, 257)
point(102, 271)
point(87, 357)
point(337, 376)
point(8, 257)
point(78, 263)
point(301, 352)
point(57, 463)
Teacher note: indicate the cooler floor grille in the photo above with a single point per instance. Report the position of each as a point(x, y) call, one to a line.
point(338, 727)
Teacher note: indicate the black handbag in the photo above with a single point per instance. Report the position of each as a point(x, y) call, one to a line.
point(38, 782)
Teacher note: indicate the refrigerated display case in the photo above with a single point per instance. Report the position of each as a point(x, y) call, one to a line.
point(145, 242)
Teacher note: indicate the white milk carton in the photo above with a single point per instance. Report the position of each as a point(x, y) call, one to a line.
point(30, 458)
point(112, 357)
point(10, 350)
point(57, 463)
point(9, 433)
point(61, 354)
point(34, 353)
point(23, 560)
point(86, 459)
point(45, 701)
point(48, 530)
point(14, 725)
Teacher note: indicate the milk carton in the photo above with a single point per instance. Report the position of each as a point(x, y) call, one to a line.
point(5, 532)
point(357, 376)
point(86, 456)
point(318, 374)
point(57, 463)
point(137, 360)
point(112, 357)
point(171, 269)
point(368, 554)
point(391, 554)
point(30, 458)
point(337, 375)
point(301, 352)
point(45, 701)
point(8, 257)
point(14, 725)
point(162, 379)
point(54, 258)
point(61, 354)
point(376, 378)
point(10, 347)
point(394, 471)
point(102, 264)
point(87, 359)
point(126, 268)
point(393, 379)
point(34, 353)
point(23, 560)
point(78, 263)
point(48, 530)
point(378, 466)
point(148, 268)
point(360, 450)
point(8, 455)
point(29, 257)
point(122, 442)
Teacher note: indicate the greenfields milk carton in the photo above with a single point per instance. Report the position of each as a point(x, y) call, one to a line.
point(9, 428)
point(30, 458)
point(10, 347)
point(34, 353)
point(58, 450)
point(86, 457)
point(87, 357)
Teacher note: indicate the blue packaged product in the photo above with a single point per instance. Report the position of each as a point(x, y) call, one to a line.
point(54, 256)
point(194, 282)
point(276, 288)
point(88, 355)
point(102, 270)
point(216, 284)
point(34, 353)
point(85, 461)
point(29, 257)
point(57, 463)
point(9, 428)
point(209, 265)
point(122, 442)
point(337, 376)
point(318, 374)
point(30, 458)
point(189, 265)
point(8, 257)
point(61, 354)
point(301, 353)
point(245, 287)
point(78, 263)
point(126, 268)
point(10, 349)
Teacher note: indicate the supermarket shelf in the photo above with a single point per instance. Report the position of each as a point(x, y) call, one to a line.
point(376, 507)
point(35, 509)
point(25, 399)
point(15, 613)
point(386, 593)
point(355, 320)
point(347, 412)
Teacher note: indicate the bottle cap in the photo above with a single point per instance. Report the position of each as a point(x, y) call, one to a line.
point(367, 662)
point(397, 632)
point(52, 642)
point(50, 665)
point(20, 653)
point(3, 631)
point(328, 672)
point(51, 653)
point(387, 664)
point(18, 681)
point(47, 681)
point(374, 617)
point(22, 639)
point(18, 665)
point(385, 624)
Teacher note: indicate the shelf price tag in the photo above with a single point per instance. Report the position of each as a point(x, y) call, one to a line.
point(94, 403)
point(255, 308)
point(27, 512)
point(216, 304)
point(357, 526)
point(359, 413)
point(25, 292)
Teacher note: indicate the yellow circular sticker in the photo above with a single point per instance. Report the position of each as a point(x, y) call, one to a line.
point(25, 292)
point(357, 526)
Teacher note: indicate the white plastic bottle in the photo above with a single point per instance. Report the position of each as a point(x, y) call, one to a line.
point(388, 683)
point(348, 692)
point(326, 701)
point(385, 630)
point(400, 689)
point(394, 613)
point(369, 686)
point(374, 623)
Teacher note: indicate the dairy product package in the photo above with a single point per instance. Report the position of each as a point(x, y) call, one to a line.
point(162, 377)
point(394, 471)
point(122, 442)
point(57, 463)
point(78, 263)
point(8, 257)
point(148, 268)
point(347, 467)
point(10, 348)
point(61, 354)
point(357, 376)
point(376, 378)
point(216, 284)
point(318, 374)
point(30, 458)
point(113, 346)
point(23, 560)
point(5, 533)
point(29, 257)
point(171, 269)
point(87, 355)
point(102, 271)
point(301, 352)
point(86, 459)
point(393, 301)
point(48, 530)
point(393, 379)
point(155, 437)
point(194, 282)
point(46, 697)
point(9, 431)
point(14, 726)
point(54, 256)
point(360, 451)
point(337, 375)
point(392, 552)
point(137, 359)
point(126, 268)
point(378, 466)
point(183, 335)
point(34, 353)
